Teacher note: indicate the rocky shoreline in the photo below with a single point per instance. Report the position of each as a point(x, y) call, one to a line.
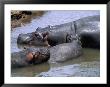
point(20, 18)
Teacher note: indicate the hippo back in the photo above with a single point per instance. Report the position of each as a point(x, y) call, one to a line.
point(66, 27)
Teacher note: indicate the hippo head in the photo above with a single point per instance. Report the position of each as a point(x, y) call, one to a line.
point(36, 57)
point(29, 37)
point(34, 38)
point(24, 38)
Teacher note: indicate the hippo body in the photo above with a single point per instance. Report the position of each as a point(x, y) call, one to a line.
point(57, 53)
point(64, 52)
point(86, 28)
point(57, 35)
point(66, 27)
point(19, 59)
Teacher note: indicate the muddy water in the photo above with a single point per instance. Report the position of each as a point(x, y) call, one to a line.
point(90, 58)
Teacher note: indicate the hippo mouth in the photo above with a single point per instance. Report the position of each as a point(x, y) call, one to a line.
point(31, 57)
point(36, 57)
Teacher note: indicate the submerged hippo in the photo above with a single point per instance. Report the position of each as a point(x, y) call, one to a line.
point(30, 56)
point(87, 28)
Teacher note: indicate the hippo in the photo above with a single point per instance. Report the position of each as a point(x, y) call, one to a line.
point(66, 51)
point(29, 56)
point(34, 38)
point(56, 38)
point(86, 28)
point(57, 53)
point(56, 35)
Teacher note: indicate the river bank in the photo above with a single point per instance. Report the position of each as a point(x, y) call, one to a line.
point(20, 18)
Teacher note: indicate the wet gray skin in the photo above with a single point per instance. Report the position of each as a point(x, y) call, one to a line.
point(30, 39)
point(85, 65)
point(58, 53)
point(57, 35)
point(65, 52)
point(24, 38)
point(65, 37)
point(19, 59)
point(87, 28)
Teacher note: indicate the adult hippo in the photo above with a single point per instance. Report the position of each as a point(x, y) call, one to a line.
point(56, 35)
point(87, 28)
point(29, 56)
point(66, 51)
point(58, 53)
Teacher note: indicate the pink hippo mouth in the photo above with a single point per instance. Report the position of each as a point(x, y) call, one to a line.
point(31, 57)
